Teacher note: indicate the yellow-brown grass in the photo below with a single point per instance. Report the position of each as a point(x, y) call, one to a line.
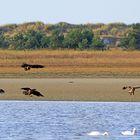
point(71, 62)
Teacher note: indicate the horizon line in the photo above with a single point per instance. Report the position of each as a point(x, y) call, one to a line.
point(25, 22)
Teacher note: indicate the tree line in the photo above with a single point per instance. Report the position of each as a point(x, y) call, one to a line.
point(37, 35)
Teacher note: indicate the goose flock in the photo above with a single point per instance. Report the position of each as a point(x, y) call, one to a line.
point(27, 91)
point(125, 133)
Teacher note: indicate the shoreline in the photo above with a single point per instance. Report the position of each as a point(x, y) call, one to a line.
point(71, 89)
point(68, 75)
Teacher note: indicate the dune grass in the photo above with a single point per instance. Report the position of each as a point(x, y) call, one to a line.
point(70, 63)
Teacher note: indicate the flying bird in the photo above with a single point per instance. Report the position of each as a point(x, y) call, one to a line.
point(131, 90)
point(29, 66)
point(2, 91)
point(29, 91)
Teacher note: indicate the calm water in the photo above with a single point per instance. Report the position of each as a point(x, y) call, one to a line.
point(42, 120)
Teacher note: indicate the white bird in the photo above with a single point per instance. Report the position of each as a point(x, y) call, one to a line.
point(129, 133)
point(97, 133)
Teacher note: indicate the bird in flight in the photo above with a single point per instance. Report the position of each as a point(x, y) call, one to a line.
point(131, 90)
point(29, 91)
point(29, 66)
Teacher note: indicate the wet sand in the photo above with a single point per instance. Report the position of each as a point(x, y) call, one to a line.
point(100, 89)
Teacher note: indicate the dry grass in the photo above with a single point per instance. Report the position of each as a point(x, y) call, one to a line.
point(71, 62)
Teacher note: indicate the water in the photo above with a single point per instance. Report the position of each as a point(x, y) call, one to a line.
point(42, 120)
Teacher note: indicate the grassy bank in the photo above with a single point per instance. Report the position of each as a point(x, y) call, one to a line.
point(71, 63)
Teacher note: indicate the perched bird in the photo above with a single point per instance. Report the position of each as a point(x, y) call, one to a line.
point(131, 90)
point(2, 91)
point(97, 133)
point(29, 66)
point(29, 91)
point(129, 133)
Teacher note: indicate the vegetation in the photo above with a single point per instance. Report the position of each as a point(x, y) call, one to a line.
point(70, 63)
point(36, 35)
point(132, 38)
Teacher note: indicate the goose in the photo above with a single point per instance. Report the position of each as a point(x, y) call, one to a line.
point(129, 133)
point(131, 90)
point(29, 91)
point(29, 66)
point(97, 133)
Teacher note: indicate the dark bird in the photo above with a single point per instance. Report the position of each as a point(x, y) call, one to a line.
point(28, 91)
point(2, 91)
point(29, 66)
point(131, 90)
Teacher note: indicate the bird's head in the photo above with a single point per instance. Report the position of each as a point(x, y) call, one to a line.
point(124, 87)
point(105, 134)
point(134, 130)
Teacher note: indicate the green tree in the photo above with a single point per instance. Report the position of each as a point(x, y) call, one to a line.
point(3, 42)
point(132, 39)
point(82, 45)
point(78, 38)
point(98, 44)
point(56, 40)
point(30, 40)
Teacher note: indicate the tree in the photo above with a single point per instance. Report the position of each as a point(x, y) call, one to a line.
point(30, 40)
point(132, 39)
point(3, 42)
point(56, 40)
point(78, 38)
point(82, 45)
point(98, 44)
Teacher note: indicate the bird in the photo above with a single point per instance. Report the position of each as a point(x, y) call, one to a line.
point(131, 90)
point(29, 66)
point(26, 91)
point(129, 133)
point(2, 91)
point(97, 133)
point(29, 91)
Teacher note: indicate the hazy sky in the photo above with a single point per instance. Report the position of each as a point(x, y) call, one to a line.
point(71, 11)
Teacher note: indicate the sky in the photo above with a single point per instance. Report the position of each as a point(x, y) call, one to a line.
point(71, 11)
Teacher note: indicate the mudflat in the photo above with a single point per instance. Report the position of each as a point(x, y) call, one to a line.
point(67, 89)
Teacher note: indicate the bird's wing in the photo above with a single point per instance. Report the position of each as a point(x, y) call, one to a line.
point(26, 88)
point(33, 89)
point(2, 91)
point(136, 87)
point(36, 93)
point(37, 66)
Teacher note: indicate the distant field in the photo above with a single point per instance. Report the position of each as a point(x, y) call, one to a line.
point(71, 63)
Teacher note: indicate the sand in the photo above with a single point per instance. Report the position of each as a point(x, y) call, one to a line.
point(66, 89)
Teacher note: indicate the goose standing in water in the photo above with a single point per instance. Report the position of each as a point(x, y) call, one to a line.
point(97, 133)
point(129, 133)
point(131, 90)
